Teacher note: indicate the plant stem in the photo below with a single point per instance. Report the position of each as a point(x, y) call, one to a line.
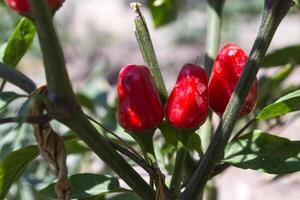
point(66, 109)
point(141, 162)
point(178, 169)
point(206, 132)
point(145, 44)
point(145, 141)
point(274, 12)
point(30, 119)
point(243, 129)
point(213, 35)
point(123, 142)
point(15, 77)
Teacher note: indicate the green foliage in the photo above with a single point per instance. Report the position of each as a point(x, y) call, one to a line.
point(270, 88)
point(13, 166)
point(297, 2)
point(87, 185)
point(163, 11)
point(18, 43)
point(7, 97)
point(264, 152)
point(256, 150)
point(286, 104)
point(126, 196)
point(190, 140)
point(282, 56)
point(85, 101)
point(75, 146)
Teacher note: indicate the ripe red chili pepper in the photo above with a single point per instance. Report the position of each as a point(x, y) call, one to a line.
point(140, 108)
point(187, 106)
point(226, 72)
point(22, 6)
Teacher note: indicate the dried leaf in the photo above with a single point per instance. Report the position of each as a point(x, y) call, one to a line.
point(51, 147)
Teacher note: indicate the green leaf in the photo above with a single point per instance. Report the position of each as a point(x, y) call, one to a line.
point(7, 97)
point(269, 87)
point(190, 140)
point(170, 134)
point(19, 42)
point(126, 196)
point(13, 166)
point(297, 2)
point(24, 111)
point(264, 152)
point(286, 104)
point(85, 101)
point(282, 56)
point(163, 11)
point(87, 185)
point(76, 146)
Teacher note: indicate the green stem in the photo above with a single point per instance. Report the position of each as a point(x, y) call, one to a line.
point(178, 169)
point(144, 41)
point(274, 12)
point(53, 56)
point(15, 77)
point(213, 35)
point(145, 141)
point(206, 132)
point(65, 108)
point(190, 166)
point(249, 123)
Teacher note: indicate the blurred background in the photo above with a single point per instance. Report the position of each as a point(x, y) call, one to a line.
point(98, 39)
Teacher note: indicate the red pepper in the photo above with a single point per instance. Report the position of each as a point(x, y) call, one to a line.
point(140, 108)
point(226, 72)
point(187, 106)
point(22, 6)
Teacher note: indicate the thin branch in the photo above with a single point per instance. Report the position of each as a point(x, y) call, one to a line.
point(137, 159)
point(243, 129)
point(63, 104)
point(115, 135)
point(274, 12)
point(30, 119)
point(15, 77)
point(177, 176)
point(213, 35)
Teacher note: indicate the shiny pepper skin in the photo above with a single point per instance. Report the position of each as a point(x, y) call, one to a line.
point(22, 6)
point(187, 106)
point(139, 108)
point(226, 72)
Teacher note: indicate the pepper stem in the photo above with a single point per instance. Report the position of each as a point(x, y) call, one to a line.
point(145, 141)
point(175, 184)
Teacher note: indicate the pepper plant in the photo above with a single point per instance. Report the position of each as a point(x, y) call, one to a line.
point(179, 124)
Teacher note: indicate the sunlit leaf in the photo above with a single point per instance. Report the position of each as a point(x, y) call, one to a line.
point(19, 42)
point(13, 166)
point(264, 152)
point(163, 11)
point(286, 104)
point(87, 185)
